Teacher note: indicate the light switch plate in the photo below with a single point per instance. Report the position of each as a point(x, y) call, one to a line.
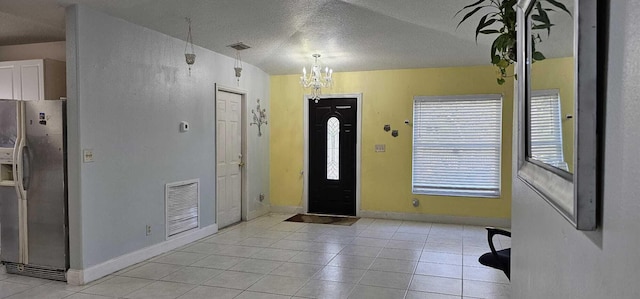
point(87, 156)
point(381, 148)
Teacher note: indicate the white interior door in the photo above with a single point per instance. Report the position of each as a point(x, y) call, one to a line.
point(229, 158)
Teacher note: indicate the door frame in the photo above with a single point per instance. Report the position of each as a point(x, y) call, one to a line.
point(305, 171)
point(244, 206)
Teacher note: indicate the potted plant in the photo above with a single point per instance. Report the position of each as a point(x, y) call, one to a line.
point(500, 19)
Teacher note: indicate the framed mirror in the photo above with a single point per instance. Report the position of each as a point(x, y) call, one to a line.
point(558, 142)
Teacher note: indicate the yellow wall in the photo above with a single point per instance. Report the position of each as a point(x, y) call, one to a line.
point(558, 74)
point(387, 99)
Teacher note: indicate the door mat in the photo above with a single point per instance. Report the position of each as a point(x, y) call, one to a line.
point(336, 220)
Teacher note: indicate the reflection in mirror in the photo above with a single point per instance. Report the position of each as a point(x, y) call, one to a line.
point(546, 140)
point(559, 117)
point(551, 106)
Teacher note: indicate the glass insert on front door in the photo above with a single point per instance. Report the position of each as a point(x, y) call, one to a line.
point(333, 149)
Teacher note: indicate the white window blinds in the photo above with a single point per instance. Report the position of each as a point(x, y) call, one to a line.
point(546, 129)
point(456, 145)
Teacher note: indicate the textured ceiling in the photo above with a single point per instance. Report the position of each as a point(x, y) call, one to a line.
point(351, 35)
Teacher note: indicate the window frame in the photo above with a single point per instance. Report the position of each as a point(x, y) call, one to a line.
point(460, 192)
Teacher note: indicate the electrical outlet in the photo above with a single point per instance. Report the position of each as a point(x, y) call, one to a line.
point(87, 156)
point(148, 230)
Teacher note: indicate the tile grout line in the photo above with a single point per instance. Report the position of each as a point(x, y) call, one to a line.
point(244, 232)
point(462, 271)
point(415, 268)
point(374, 259)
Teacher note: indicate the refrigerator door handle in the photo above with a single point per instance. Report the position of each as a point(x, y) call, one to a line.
point(26, 168)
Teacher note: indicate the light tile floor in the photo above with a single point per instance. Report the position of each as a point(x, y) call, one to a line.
point(269, 258)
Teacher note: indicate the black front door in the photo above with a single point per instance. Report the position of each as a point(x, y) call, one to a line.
point(332, 156)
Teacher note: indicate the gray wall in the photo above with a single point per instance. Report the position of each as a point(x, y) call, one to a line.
point(129, 89)
point(550, 259)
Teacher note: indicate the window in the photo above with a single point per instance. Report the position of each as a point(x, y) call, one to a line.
point(457, 145)
point(333, 149)
point(546, 129)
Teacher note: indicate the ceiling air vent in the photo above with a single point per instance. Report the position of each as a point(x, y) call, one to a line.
point(182, 206)
point(239, 46)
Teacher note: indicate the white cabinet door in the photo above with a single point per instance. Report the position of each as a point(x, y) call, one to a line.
point(32, 80)
point(22, 80)
point(9, 81)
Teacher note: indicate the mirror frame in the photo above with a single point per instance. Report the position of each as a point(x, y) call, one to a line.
point(574, 197)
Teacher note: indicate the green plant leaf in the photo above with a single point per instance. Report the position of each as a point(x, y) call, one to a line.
point(502, 63)
point(537, 18)
point(538, 56)
point(500, 81)
point(542, 26)
point(483, 23)
point(469, 15)
point(468, 6)
point(559, 5)
point(480, 26)
point(495, 59)
point(504, 41)
point(489, 31)
point(499, 42)
point(544, 17)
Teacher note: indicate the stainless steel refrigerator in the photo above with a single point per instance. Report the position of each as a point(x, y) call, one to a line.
point(33, 188)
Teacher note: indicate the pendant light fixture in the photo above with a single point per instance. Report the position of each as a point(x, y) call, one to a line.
point(237, 66)
point(190, 57)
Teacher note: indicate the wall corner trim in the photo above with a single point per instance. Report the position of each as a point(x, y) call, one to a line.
point(255, 214)
point(83, 276)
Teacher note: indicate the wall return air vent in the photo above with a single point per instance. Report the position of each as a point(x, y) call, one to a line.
point(182, 207)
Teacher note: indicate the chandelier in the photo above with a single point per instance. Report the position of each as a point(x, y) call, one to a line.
point(316, 80)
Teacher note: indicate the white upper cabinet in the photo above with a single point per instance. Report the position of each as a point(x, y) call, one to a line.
point(32, 80)
point(9, 89)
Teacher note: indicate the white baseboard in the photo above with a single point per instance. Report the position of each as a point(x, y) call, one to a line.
point(83, 276)
point(480, 221)
point(255, 214)
point(287, 209)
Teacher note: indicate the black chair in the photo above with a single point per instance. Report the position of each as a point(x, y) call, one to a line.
point(500, 259)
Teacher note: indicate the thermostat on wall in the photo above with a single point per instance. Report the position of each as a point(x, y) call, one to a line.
point(184, 126)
